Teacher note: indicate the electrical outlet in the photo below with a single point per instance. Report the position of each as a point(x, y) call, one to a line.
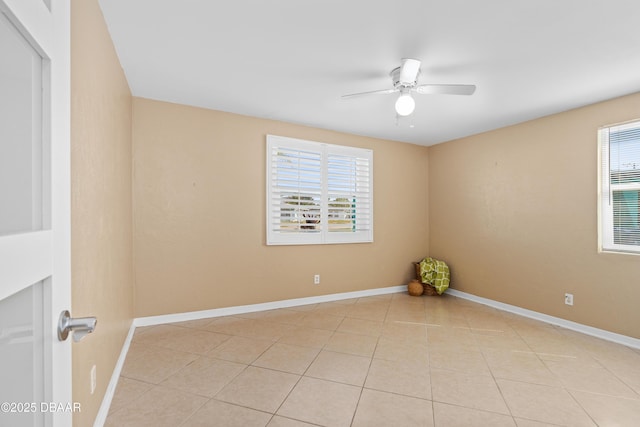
point(316, 279)
point(568, 299)
point(93, 379)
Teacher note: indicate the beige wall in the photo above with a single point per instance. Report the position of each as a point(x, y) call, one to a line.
point(514, 213)
point(199, 191)
point(101, 206)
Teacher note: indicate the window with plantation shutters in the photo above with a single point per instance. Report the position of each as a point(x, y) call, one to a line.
point(619, 201)
point(318, 193)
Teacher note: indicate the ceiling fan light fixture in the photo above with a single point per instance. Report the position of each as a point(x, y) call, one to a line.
point(405, 104)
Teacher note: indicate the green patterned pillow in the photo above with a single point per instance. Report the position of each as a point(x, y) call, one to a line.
point(435, 273)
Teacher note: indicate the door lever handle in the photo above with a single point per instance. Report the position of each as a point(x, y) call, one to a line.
point(80, 326)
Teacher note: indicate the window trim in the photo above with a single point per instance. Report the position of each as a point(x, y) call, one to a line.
point(324, 235)
point(605, 211)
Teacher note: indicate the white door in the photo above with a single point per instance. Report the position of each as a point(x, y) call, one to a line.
point(35, 367)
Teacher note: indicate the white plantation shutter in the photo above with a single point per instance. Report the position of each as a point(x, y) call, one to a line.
point(620, 188)
point(318, 193)
point(349, 195)
point(294, 192)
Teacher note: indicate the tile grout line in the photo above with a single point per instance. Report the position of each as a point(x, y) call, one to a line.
point(433, 406)
point(355, 411)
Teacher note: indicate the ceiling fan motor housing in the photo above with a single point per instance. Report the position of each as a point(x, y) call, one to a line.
point(395, 77)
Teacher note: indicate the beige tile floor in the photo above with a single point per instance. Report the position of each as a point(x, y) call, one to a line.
point(391, 360)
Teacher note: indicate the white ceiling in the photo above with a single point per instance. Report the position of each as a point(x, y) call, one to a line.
point(291, 60)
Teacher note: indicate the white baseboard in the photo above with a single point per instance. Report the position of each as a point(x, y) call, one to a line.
point(229, 311)
point(578, 327)
point(101, 418)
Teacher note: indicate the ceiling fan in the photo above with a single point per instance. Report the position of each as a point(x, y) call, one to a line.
point(405, 81)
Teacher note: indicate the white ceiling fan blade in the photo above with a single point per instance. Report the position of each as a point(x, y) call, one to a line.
point(445, 89)
point(409, 71)
point(373, 92)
